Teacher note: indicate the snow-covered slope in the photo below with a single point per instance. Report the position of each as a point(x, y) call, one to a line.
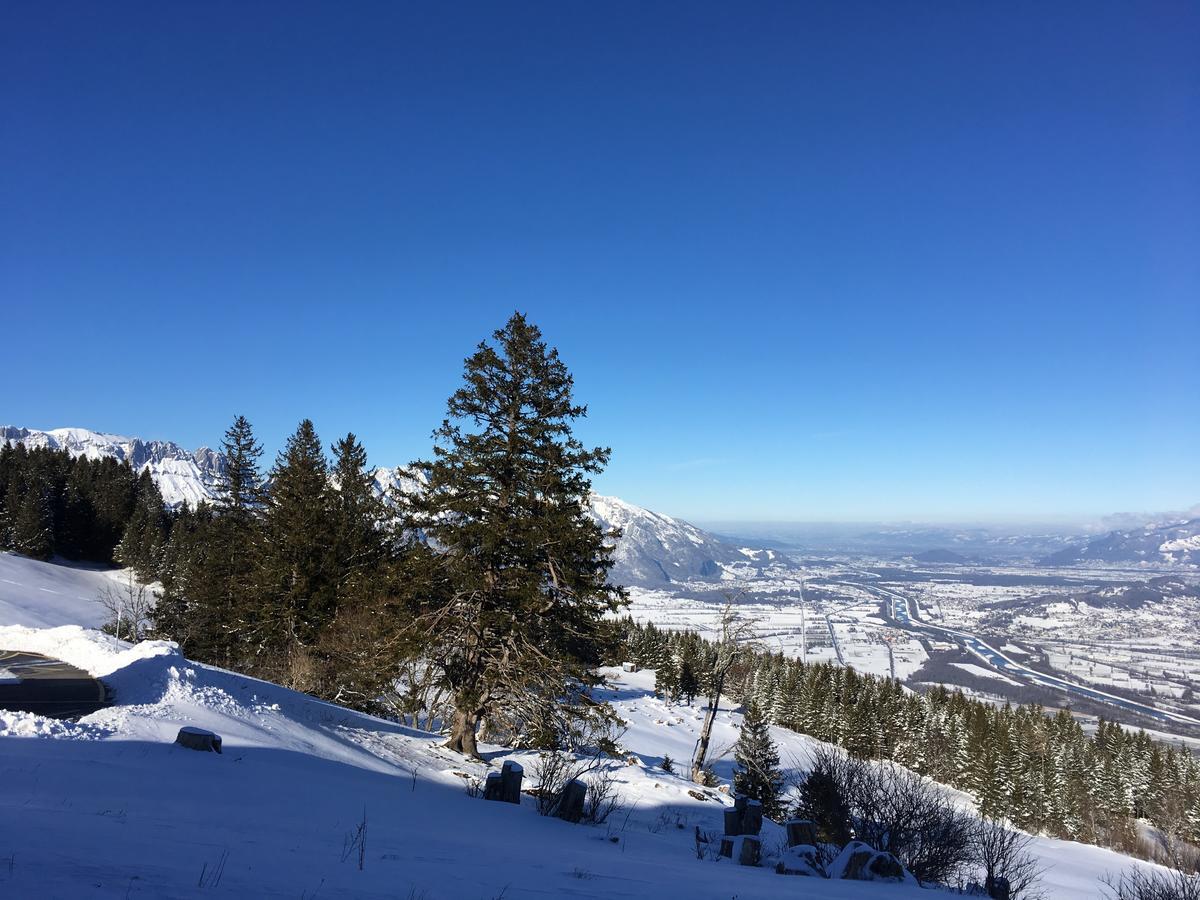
point(109, 807)
point(183, 476)
point(44, 595)
point(654, 549)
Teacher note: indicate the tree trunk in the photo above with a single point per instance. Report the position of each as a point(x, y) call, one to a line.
point(462, 733)
point(706, 733)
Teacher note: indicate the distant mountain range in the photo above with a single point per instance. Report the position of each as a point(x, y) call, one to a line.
point(1173, 543)
point(654, 549)
point(183, 476)
point(658, 550)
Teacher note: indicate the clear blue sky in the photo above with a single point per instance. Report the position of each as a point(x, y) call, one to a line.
point(806, 261)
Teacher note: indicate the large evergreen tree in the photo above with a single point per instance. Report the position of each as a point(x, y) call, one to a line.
point(523, 569)
point(226, 619)
point(297, 599)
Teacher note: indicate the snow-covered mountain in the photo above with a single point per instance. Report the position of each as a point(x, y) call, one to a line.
point(1177, 542)
point(654, 549)
point(183, 476)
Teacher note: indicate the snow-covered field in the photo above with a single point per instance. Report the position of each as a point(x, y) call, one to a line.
point(43, 595)
point(109, 807)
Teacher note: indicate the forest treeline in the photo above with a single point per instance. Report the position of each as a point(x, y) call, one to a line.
point(1041, 772)
point(88, 510)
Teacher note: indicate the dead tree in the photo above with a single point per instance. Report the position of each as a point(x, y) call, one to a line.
point(736, 633)
point(130, 609)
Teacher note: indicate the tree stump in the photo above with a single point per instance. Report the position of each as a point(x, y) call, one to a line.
point(198, 739)
point(511, 774)
point(491, 786)
point(801, 832)
point(570, 804)
point(733, 821)
point(750, 851)
point(752, 818)
point(998, 888)
point(727, 846)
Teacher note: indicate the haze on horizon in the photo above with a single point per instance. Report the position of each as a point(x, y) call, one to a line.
point(849, 263)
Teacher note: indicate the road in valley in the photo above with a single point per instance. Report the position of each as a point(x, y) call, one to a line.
point(902, 613)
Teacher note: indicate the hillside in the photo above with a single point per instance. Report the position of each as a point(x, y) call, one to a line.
point(108, 807)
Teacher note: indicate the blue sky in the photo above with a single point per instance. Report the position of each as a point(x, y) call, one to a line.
point(835, 261)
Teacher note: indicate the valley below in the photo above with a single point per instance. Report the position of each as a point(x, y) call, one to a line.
point(1114, 642)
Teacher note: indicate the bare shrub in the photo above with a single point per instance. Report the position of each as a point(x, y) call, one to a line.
point(603, 798)
point(355, 842)
point(211, 874)
point(130, 610)
point(890, 808)
point(552, 771)
point(1003, 854)
point(1139, 883)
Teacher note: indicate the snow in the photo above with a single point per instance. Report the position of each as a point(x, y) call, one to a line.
point(983, 673)
point(110, 807)
point(42, 595)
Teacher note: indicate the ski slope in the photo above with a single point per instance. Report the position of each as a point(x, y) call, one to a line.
point(109, 807)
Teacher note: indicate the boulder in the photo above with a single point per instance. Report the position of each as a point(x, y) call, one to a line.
point(802, 859)
point(861, 862)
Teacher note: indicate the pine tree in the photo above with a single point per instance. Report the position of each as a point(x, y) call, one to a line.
point(240, 493)
point(523, 568)
point(297, 599)
point(226, 624)
point(33, 530)
point(145, 534)
point(689, 684)
point(360, 542)
point(757, 775)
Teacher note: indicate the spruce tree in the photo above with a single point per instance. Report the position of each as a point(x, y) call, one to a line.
point(523, 568)
point(360, 539)
point(757, 775)
point(225, 628)
point(239, 491)
point(145, 534)
point(689, 684)
point(298, 597)
point(33, 530)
